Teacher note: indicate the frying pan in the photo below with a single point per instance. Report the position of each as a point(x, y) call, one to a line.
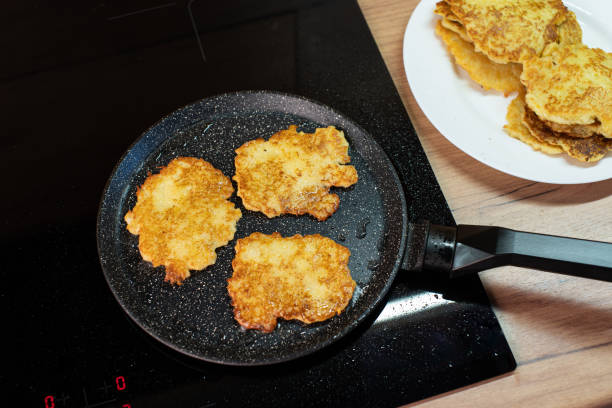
point(196, 318)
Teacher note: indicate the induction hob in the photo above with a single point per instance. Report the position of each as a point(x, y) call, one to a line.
point(79, 85)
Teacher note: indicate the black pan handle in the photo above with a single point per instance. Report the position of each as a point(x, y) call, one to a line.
point(461, 250)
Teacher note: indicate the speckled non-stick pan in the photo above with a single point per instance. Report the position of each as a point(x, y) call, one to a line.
point(196, 318)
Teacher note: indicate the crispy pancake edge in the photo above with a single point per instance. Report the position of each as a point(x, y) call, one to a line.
point(488, 74)
point(584, 149)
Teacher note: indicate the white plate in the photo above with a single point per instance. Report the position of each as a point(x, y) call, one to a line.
point(472, 119)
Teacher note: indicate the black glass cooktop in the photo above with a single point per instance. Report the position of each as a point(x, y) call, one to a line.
point(79, 83)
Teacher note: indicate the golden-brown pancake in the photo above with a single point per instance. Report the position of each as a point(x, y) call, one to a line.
point(516, 128)
point(589, 149)
point(501, 77)
point(182, 215)
point(300, 277)
point(292, 172)
point(510, 30)
point(571, 85)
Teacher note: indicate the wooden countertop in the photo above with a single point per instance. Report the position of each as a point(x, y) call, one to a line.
point(558, 327)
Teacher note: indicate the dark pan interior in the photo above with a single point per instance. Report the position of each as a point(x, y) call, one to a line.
point(196, 318)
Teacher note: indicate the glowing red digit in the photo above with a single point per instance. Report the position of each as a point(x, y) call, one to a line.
point(126, 406)
point(49, 401)
point(120, 381)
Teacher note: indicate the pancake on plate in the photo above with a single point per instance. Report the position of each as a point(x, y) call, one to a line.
point(488, 74)
point(570, 31)
point(300, 277)
point(588, 149)
point(570, 88)
point(517, 129)
point(292, 172)
point(524, 125)
point(182, 215)
point(491, 39)
point(513, 30)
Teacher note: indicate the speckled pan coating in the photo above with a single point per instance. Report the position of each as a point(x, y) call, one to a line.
point(196, 318)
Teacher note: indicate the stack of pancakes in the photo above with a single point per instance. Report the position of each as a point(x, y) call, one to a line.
point(534, 47)
point(567, 103)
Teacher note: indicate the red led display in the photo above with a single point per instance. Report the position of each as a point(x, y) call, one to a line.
point(49, 401)
point(120, 381)
point(126, 406)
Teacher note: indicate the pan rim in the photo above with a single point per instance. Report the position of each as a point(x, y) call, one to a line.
point(295, 355)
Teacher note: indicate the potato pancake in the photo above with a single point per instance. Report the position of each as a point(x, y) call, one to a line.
point(300, 277)
point(457, 28)
point(511, 30)
point(524, 125)
point(292, 172)
point(488, 74)
point(182, 215)
point(571, 85)
point(589, 149)
point(516, 128)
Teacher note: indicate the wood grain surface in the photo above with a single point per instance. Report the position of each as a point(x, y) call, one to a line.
point(558, 327)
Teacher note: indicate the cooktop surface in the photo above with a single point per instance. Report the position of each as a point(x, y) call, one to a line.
point(79, 85)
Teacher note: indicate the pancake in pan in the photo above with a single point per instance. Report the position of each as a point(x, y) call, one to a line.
point(292, 172)
point(182, 215)
point(300, 277)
